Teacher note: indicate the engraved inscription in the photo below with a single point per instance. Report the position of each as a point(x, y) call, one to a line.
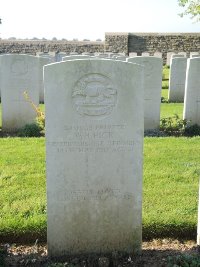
point(94, 138)
point(90, 194)
point(94, 95)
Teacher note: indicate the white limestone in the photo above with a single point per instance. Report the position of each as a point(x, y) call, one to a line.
point(177, 55)
point(123, 58)
point(152, 89)
point(49, 55)
point(198, 222)
point(158, 54)
point(177, 79)
point(94, 142)
point(101, 55)
point(183, 54)
point(191, 110)
point(194, 54)
point(88, 54)
point(145, 54)
point(42, 61)
point(169, 55)
point(133, 54)
point(59, 56)
point(72, 57)
point(18, 73)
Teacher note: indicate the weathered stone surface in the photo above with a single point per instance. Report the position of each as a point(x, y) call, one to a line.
point(42, 61)
point(191, 110)
point(158, 54)
point(72, 57)
point(59, 56)
point(18, 73)
point(194, 54)
point(145, 54)
point(94, 142)
point(123, 58)
point(117, 42)
point(114, 42)
point(177, 79)
point(133, 54)
point(169, 56)
point(152, 89)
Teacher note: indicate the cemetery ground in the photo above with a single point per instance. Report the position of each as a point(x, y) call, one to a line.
point(170, 193)
point(170, 196)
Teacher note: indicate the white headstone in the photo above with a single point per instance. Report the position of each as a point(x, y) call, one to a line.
point(177, 55)
point(133, 54)
point(72, 57)
point(18, 73)
point(102, 55)
point(73, 53)
point(198, 222)
point(169, 55)
point(191, 110)
point(145, 54)
point(59, 56)
point(177, 79)
point(183, 54)
point(50, 56)
point(123, 58)
point(194, 54)
point(87, 54)
point(42, 61)
point(158, 54)
point(94, 156)
point(152, 89)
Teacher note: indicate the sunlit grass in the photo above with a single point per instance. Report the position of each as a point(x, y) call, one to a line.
point(171, 173)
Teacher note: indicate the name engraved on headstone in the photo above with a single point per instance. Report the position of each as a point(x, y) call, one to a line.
point(93, 138)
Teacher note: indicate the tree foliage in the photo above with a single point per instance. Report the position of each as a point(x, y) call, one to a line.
point(192, 7)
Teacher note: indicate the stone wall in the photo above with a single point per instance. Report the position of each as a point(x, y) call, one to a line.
point(114, 42)
point(32, 46)
point(117, 42)
point(164, 42)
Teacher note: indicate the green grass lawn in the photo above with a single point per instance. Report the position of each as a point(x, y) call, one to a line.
point(167, 109)
point(170, 187)
point(171, 173)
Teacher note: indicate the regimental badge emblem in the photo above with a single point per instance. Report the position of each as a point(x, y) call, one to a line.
point(94, 95)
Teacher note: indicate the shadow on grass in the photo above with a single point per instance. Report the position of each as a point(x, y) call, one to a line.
point(182, 231)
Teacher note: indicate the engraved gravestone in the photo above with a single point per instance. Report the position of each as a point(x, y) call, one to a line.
point(177, 79)
point(145, 54)
point(59, 56)
point(72, 57)
point(49, 55)
point(94, 140)
point(123, 58)
point(133, 54)
point(18, 73)
point(158, 54)
point(42, 61)
point(194, 54)
point(152, 89)
point(191, 111)
point(169, 55)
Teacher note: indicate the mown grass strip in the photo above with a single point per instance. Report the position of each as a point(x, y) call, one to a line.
point(170, 188)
